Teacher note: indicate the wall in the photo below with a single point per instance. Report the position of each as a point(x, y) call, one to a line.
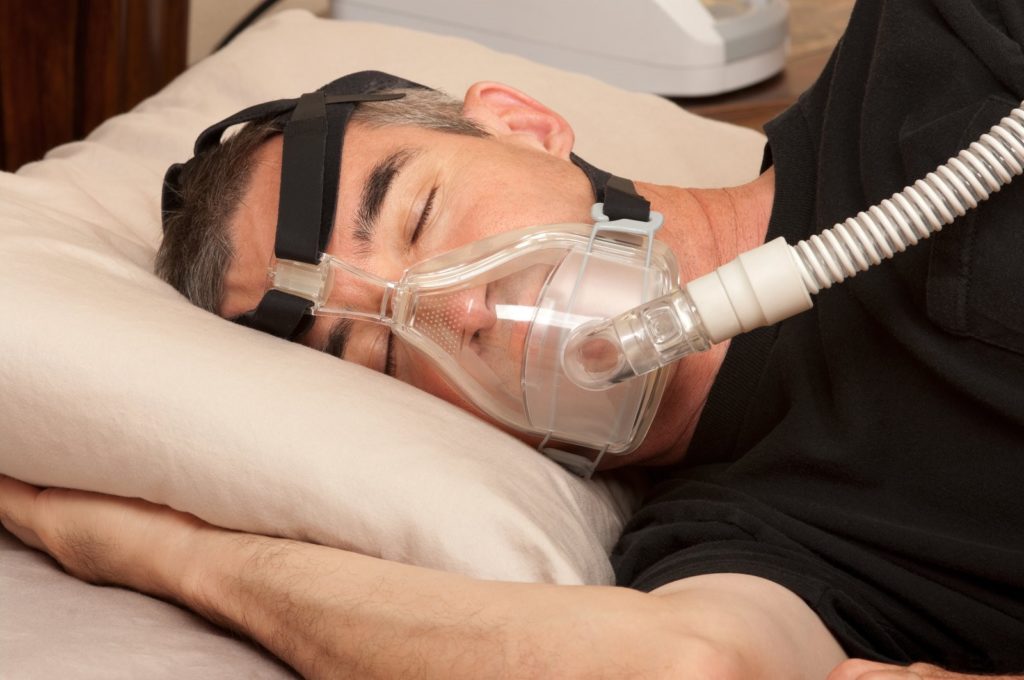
point(210, 20)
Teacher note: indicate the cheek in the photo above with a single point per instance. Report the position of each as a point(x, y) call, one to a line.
point(475, 220)
point(415, 369)
point(412, 368)
point(499, 197)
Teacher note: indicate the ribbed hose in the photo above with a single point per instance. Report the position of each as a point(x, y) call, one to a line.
point(918, 211)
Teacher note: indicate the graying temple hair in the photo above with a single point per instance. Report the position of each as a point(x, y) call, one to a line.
point(197, 248)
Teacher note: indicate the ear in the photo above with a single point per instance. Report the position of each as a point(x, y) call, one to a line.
point(506, 112)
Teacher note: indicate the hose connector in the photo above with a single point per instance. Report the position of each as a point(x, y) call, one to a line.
point(758, 288)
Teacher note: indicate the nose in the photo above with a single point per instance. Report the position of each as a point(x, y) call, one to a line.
point(479, 314)
point(452, 319)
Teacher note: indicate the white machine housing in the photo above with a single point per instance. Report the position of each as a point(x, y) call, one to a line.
point(680, 48)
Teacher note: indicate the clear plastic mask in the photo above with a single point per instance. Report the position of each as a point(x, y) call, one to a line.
point(493, 318)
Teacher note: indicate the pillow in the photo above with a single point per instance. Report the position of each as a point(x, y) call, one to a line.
point(114, 383)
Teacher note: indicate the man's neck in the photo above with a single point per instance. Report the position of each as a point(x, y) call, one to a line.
point(705, 228)
point(708, 227)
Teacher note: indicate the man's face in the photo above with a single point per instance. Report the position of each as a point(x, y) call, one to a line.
point(406, 194)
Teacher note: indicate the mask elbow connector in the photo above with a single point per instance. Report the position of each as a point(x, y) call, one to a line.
point(758, 288)
point(603, 353)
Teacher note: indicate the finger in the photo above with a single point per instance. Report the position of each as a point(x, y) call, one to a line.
point(26, 536)
point(851, 669)
point(16, 499)
point(861, 669)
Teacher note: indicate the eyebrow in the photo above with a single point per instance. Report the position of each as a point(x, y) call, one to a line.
point(337, 338)
point(375, 191)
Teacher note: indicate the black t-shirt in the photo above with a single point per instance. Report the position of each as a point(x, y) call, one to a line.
point(869, 454)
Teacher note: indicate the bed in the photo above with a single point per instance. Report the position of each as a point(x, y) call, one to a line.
point(111, 382)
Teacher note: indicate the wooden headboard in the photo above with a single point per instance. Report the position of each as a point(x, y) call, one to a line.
point(68, 65)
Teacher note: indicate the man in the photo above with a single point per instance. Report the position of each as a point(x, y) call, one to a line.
point(859, 495)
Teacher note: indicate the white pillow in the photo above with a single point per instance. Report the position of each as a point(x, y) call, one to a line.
point(112, 382)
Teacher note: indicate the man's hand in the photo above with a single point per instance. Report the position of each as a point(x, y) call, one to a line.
point(859, 669)
point(102, 539)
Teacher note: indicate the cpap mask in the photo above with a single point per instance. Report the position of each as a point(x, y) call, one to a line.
point(492, 317)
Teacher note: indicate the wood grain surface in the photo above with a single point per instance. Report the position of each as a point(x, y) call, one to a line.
point(68, 65)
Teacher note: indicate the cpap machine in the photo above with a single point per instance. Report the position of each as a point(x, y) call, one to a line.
point(677, 48)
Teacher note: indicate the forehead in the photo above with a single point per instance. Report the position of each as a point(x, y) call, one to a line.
point(253, 226)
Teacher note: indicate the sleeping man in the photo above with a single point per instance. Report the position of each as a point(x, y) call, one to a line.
point(844, 484)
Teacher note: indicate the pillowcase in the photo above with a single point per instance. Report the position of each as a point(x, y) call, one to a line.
point(114, 383)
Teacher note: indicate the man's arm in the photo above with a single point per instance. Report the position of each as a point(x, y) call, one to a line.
point(332, 613)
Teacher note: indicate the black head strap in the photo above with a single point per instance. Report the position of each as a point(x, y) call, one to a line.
point(621, 201)
point(302, 181)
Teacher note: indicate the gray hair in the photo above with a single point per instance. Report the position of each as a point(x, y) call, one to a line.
point(197, 248)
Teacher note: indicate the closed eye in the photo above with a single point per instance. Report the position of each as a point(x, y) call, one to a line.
point(424, 216)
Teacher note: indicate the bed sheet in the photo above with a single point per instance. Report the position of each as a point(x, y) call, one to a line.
point(55, 626)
